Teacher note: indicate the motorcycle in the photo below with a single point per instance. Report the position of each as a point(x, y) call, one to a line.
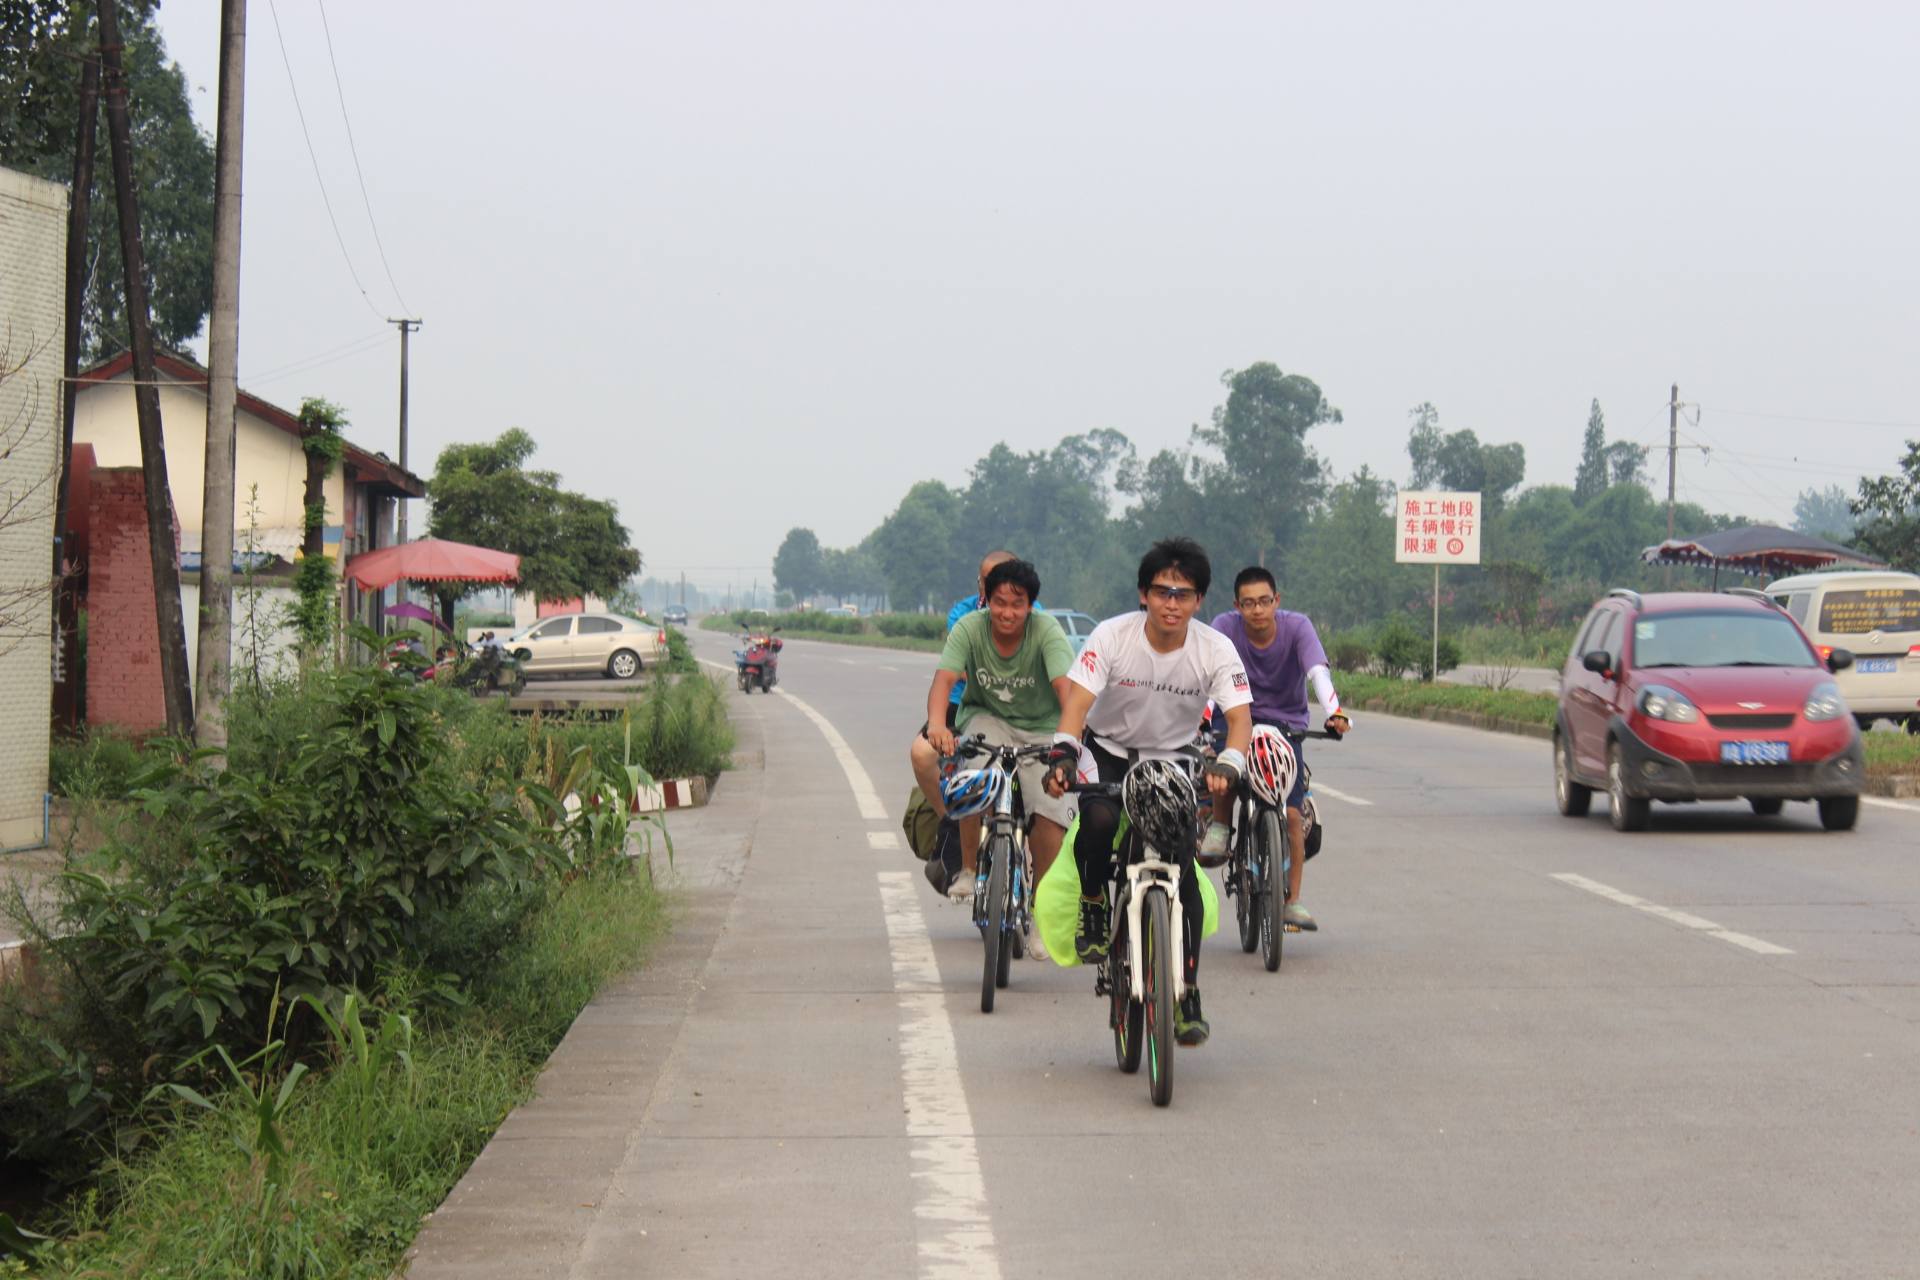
point(481, 670)
point(758, 662)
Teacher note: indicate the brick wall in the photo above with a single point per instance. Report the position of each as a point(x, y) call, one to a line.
point(123, 640)
point(33, 238)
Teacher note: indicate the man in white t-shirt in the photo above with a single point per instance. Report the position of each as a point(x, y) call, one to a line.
point(1136, 692)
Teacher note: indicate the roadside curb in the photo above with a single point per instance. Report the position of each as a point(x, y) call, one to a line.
point(1901, 786)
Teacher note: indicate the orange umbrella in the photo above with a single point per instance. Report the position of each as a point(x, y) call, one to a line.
point(432, 560)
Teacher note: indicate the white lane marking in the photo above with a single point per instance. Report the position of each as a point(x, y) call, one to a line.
point(1318, 790)
point(1879, 802)
point(864, 795)
point(953, 1228)
point(1684, 919)
point(848, 661)
point(718, 666)
point(885, 667)
point(883, 839)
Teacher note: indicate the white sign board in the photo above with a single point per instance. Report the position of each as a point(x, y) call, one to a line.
point(1437, 528)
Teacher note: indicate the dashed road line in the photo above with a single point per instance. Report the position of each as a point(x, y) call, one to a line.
point(884, 840)
point(1684, 919)
point(1318, 790)
point(953, 1229)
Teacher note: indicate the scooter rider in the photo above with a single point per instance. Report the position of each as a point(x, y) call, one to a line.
point(1136, 692)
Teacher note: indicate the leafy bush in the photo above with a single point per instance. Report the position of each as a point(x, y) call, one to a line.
point(1398, 648)
point(920, 626)
point(1350, 651)
point(100, 764)
point(679, 659)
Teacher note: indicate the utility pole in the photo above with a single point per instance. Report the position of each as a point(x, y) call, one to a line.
point(146, 391)
point(406, 327)
point(66, 703)
point(212, 677)
point(1673, 455)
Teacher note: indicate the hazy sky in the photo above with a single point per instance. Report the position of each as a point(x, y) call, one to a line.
point(742, 267)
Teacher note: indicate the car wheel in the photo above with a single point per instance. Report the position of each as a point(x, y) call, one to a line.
point(1630, 813)
point(623, 665)
point(1572, 798)
point(1839, 813)
point(1766, 806)
point(523, 656)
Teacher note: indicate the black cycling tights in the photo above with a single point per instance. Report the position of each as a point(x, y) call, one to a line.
point(1093, 854)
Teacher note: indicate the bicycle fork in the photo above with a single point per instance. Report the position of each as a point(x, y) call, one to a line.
point(1151, 872)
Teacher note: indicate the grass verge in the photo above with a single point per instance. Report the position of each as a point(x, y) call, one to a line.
point(372, 1144)
point(860, 639)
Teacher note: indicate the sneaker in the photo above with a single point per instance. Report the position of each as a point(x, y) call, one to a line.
point(1090, 943)
point(1189, 1028)
point(1036, 949)
point(1213, 848)
point(960, 888)
point(1299, 917)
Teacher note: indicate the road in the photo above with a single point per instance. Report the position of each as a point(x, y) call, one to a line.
point(1519, 1046)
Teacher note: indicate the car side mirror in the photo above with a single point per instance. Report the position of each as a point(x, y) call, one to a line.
point(1598, 661)
point(1839, 660)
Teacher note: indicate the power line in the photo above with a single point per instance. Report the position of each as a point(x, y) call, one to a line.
point(341, 352)
point(1802, 417)
point(355, 153)
point(322, 183)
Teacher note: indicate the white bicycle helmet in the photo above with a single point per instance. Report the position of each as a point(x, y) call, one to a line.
point(1271, 765)
point(970, 792)
point(1159, 800)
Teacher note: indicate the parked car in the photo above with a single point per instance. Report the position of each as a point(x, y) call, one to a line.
point(1877, 617)
point(1682, 696)
point(674, 615)
point(576, 642)
point(1077, 625)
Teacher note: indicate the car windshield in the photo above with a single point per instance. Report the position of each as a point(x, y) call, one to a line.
point(1718, 640)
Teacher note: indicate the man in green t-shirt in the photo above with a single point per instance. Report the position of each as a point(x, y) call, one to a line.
point(1015, 662)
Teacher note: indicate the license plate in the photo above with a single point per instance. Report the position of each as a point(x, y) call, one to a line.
point(1877, 666)
point(1754, 753)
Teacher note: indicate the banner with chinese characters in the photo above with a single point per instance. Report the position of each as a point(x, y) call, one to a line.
point(1437, 528)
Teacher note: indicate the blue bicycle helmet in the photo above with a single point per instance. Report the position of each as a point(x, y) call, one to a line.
point(970, 792)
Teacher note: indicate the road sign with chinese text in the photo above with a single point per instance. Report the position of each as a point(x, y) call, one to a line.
point(1437, 528)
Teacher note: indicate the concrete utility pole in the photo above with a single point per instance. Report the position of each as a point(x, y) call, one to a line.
point(406, 327)
point(66, 702)
point(1673, 454)
point(146, 391)
point(212, 677)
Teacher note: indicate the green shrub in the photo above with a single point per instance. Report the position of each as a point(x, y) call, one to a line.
point(1350, 651)
point(679, 659)
point(100, 764)
point(919, 626)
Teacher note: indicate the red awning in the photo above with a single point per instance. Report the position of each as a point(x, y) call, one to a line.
point(432, 560)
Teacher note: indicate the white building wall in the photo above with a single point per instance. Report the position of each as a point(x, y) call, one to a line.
point(33, 247)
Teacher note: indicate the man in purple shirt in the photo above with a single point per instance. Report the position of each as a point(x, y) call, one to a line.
point(1282, 654)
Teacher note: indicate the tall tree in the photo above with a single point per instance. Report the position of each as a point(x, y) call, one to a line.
point(1423, 445)
point(42, 46)
point(569, 545)
point(915, 548)
point(799, 566)
point(1824, 513)
point(1591, 477)
point(1889, 511)
point(1266, 469)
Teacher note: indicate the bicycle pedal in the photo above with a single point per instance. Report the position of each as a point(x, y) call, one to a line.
point(1291, 928)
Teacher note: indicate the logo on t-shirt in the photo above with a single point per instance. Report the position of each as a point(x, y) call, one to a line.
point(1089, 659)
point(1239, 679)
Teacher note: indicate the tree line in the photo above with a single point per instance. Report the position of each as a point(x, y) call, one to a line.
point(1251, 486)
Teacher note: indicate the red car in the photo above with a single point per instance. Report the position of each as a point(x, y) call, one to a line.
point(1683, 696)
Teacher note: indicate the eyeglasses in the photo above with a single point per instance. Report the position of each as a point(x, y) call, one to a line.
point(1263, 602)
point(1171, 595)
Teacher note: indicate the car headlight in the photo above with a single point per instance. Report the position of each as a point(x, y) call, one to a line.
point(1825, 703)
point(1662, 703)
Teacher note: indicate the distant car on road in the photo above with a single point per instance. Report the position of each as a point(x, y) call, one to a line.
point(1077, 625)
point(674, 615)
point(1877, 617)
point(1683, 696)
point(587, 642)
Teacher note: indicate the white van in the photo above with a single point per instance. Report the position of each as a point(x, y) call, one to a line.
point(1876, 617)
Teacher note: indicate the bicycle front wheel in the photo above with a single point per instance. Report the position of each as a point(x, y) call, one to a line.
point(1272, 853)
point(1246, 870)
point(999, 855)
point(1157, 948)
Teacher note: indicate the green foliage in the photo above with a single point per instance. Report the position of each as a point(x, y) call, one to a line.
point(1349, 651)
point(1458, 462)
point(914, 547)
point(42, 43)
point(1824, 513)
point(99, 764)
point(920, 626)
point(1888, 509)
point(1405, 697)
point(569, 545)
point(680, 660)
point(799, 564)
point(315, 603)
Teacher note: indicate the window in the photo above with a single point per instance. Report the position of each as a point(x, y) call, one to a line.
point(1719, 640)
point(555, 630)
point(1590, 630)
point(1609, 641)
point(1873, 609)
point(598, 626)
point(1797, 605)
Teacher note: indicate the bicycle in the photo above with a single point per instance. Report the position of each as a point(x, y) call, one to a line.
point(1003, 881)
point(1144, 974)
point(1259, 829)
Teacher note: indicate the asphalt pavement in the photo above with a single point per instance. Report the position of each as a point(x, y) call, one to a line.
point(1520, 1045)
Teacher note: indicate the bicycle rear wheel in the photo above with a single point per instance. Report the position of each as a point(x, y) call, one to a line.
point(1125, 1014)
point(1273, 888)
point(999, 856)
point(1156, 959)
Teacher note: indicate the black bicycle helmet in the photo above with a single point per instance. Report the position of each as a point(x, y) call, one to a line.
point(1160, 803)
